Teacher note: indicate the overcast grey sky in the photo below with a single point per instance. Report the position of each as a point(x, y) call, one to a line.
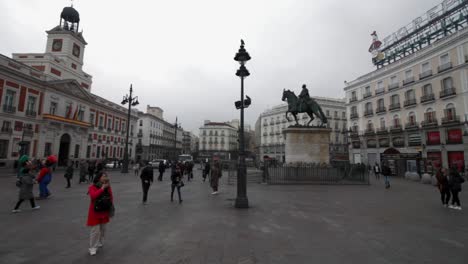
point(179, 54)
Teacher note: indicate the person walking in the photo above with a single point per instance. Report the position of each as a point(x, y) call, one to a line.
point(176, 178)
point(99, 167)
point(216, 174)
point(83, 171)
point(146, 180)
point(162, 169)
point(91, 170)
point(26, 183)
point(443, 185)
point(377, 171)
point(455, 181)
point(136, 168)
point(69, 174)
point(206, 170)
point(386, 173)
point(99, 211)
point(45, 177)
point(190, 166)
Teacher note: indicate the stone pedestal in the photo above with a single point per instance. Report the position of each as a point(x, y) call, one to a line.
point(307, 144)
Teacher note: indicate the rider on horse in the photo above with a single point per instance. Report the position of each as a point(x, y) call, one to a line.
point(304, 98)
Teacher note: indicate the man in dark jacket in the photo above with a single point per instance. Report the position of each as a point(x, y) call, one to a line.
point(206, 170)
point(162, 169)
point(386, 171)
point(146, 177)
point(455, 182)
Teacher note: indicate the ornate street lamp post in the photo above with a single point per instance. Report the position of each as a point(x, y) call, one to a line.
point(176, 125)
point(132, 101)
point(241, 200)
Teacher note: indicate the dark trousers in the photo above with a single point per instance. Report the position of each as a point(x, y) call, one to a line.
point(160, 175)
point(215, 188)
point(445, 195)
point(455, 199)
point(33, 204)
point(145, 186)
point(91, 174)
point(68, 182)
point(173, 186)
point(377, 175)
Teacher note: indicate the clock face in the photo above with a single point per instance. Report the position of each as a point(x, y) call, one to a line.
point(57, 45)
point(76, 50)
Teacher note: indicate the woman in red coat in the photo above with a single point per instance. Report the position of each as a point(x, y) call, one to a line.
point(98, 214)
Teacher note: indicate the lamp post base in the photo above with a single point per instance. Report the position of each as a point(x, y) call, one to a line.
point(242, 202)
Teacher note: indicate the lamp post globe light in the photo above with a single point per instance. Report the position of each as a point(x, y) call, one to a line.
point(131, 101)
point(241, 200)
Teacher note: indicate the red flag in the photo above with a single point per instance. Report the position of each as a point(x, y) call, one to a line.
point(75, 115)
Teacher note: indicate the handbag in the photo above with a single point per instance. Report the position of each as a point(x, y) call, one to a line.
point(103, 203)
point(180, 184)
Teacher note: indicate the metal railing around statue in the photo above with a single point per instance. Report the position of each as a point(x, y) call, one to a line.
point(312, 173)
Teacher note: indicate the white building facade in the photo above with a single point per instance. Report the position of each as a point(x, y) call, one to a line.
point(218, 139)
point(413, 111)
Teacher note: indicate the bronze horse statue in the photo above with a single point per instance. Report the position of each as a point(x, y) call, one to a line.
point(311, 107)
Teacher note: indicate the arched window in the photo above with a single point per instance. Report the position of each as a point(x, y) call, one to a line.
point(430, 116)
point(411, 119)
point(450, 114)
point(370, 126)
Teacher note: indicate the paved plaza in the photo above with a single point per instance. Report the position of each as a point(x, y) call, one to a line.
point(285, 224)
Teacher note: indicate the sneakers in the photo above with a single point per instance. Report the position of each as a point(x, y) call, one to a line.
point(457, 208)
point(15, 211)
point(92, 251)
point(214, 193)
point(36, 207)
point(451, 207)
point(100, 245)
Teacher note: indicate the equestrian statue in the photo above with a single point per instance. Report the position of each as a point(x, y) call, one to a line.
point(303, 104)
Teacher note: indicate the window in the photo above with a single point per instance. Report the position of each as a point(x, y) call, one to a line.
point(380, 85)
point(394, 80)
point(88, 151)
point(450, 112)
point(369, 107)
point(141, 122)
point(408, 74)
point(410, 95)
point(444, 59)
point(77, 151)
point(68, 110)
point(53, 108)
point(101, 121)
point(4, 148)
point(382, 123)
point(343, 115)
point(80, 115)
point(336, 114)
point(336, 125)
point(98, 152)
point(91, 118)
point(447, 83)
point(395, 99)
point(109, 123)
point(31, 104)
point(427, 89)
point(412, 118)
point(10, 98)
point(328, 113)
point(380, 104)
point(425, 67)
point(353, 110)
point(47, 149)
point(396, 121)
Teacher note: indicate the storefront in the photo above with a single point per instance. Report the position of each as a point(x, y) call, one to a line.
point(400, 163)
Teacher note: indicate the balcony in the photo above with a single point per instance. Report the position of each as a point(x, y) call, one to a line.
point(411, 125)
point(90, 138)
point(100, 127)
point(109, 129)
point(450, 119)
point(381, 109)
point(368, 112)
point(427, 98)
point(379, 91)
point(396, 128)
point(410, 102)
point(9, 109)
point(447, 92)
point(393, 86)
point(382, 130)
point(425, 74)
point(353, 99)
point(6, 130)
point(28, 132)
point(429, 122)
point(408, 81)
point(367, 95)
point(394, 106)
point(444, 67)
point(141, 135)
point(369, 131)
point(354, 115)
point(31, 113)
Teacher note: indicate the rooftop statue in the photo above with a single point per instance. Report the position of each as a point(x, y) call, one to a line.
point(303, 104)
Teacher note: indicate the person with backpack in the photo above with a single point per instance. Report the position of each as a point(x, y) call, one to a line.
point(377, 171)
point(69, 174)
point(443, 185)
point(146, 180)
point(45, 177)
point(25, 183)
point(100, 210)
point(455, 181)
point(216, 174)
point(386, 172)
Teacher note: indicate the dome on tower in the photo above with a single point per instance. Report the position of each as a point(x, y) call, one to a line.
point(70, 14)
